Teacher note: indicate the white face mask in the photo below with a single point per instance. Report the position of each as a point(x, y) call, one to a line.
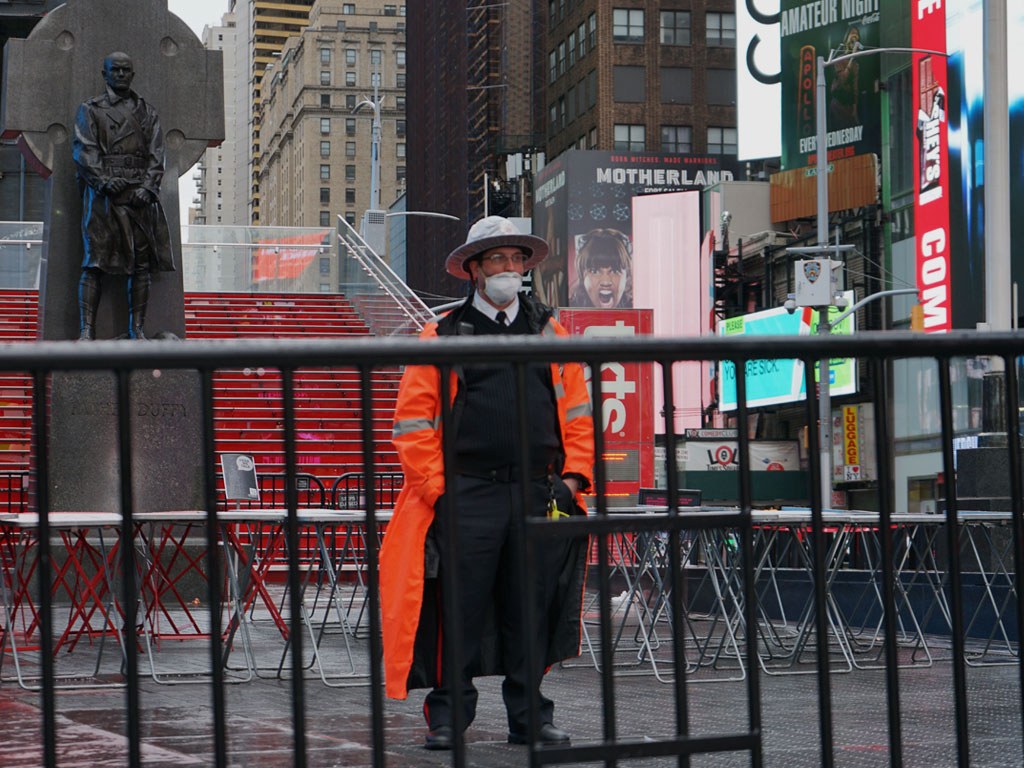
point(503, 287)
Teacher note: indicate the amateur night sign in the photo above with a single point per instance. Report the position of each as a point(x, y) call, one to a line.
point(931, 174)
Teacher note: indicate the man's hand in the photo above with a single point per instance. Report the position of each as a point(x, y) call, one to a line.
point(116, 185)
point(141, 197)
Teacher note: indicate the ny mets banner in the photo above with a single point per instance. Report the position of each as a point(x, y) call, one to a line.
point(931, 169)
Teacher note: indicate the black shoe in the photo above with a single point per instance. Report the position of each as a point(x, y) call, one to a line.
point(549, 734)
point(439, 737)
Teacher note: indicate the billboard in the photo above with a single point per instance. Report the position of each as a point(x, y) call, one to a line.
point(758, 82)
point(775, 382)
point(627, 412)
point(809, 30)
point(931, 166)
point(285, 258)
point(585, 198)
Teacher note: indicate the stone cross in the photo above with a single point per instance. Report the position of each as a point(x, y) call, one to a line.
point(47, 76)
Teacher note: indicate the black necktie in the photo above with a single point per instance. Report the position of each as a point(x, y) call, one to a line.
point(501, 318)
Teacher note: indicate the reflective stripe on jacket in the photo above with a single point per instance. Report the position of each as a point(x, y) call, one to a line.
point(417, 437)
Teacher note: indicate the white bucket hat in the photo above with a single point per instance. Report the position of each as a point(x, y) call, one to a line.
point(495, 232)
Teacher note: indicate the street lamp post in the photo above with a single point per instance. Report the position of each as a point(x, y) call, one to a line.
point(824, 323)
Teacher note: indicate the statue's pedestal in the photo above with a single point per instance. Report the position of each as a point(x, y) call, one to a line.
point(166, 441)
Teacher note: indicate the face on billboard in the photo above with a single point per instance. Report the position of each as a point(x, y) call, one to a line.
point(603, 270)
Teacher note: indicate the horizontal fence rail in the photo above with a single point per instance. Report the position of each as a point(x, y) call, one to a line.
point(700, 600)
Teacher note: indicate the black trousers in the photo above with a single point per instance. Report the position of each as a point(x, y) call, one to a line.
point(490, 579)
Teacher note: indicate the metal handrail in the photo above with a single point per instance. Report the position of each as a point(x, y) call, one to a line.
point(385, 282)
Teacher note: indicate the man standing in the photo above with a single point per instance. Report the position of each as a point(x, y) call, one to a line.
point(118, 149)
point(486, 502)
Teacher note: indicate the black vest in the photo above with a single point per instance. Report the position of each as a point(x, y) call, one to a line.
point(487, 436)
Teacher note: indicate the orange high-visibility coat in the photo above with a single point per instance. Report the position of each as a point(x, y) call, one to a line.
point(417, 438)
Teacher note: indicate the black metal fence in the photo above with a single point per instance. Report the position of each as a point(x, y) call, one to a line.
point(672, 529)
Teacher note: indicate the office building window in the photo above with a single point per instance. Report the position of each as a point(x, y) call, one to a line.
point(390, 10)
point(553, 120)
point(592, 138)
point(676, 138)
point(351, 57)
point(400, 150)
point(325, 77)
point(350, 195)
point(350, 79)
point(592, 31)
point(399, 128)
point(325, 171)
point(350, 217)
point(722, 29)
point(627, 25)
point(552, 66)
point(325, 149)
point(350, 103)
point(400, 80)
point(325, 218)
point(581, 38)
point(676, 85)
point(721, 141)
point(325, 265)
point(400, 58)
point(628, 83)
point(325, 125)
point(325, 287)
point(348, 9)
point(675, 27)
point(400, 173)
point(341, 26)
point(376, 56)
point(350, 126)
point(561, 111)
point(325, 55)
point(572, 48)
point(350, 173)
point(325, 195)
point(561, 58)
point(400, 103)
point(325, 100)
point(721, 86)
point(631, 138)
point(350, 149)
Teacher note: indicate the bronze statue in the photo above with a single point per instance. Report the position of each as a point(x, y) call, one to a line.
point(118, 150)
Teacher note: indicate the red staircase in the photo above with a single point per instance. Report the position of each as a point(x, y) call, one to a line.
point(248, 410)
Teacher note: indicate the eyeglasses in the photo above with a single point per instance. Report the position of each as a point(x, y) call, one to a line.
point(504, 258)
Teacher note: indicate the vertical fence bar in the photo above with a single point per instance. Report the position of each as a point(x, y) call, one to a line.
point(129, 590)
point(1016, 506)
point(213, 569)
point(610, 727)
point(883, 452)
point(372, 577)
point(675, 561)
point(45, 577)
point(527, 556)
point(749, 582)
point(294, 580)
point(955, 585)
point(451, 625)
point(818, 567)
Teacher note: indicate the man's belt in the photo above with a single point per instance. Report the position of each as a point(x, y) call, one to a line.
point(507, 474)
point(124, 161)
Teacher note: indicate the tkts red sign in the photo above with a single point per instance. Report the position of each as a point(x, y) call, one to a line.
point(931, 139)
point(627, 413)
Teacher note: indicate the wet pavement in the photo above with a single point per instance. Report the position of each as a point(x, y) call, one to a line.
point(176, 718)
